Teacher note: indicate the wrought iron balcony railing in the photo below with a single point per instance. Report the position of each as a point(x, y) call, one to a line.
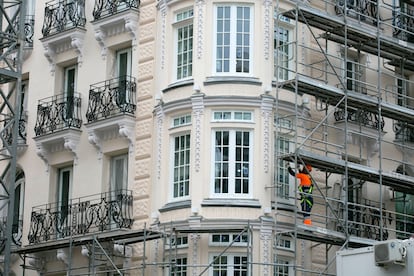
point(359, 9)
point(403, 22)
point(111, 97)
point(8, 130)
point(365, 118)
point(63, 15)
point(366, 221)
point(104, 8)
point(87, 215)
point(57, 113)
point(403, 132)
point(17, 230)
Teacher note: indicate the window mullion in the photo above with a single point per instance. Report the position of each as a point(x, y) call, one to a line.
point(232, 162)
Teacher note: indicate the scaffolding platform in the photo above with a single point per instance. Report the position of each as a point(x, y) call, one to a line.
point(399, 182)
point(349, 31)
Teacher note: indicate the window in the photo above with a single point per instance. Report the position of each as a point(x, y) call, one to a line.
point(182, 120)
point(282, 36)
point(226, 239)
point(232, 163)
point(282, 267)
point(181, 167)
point(69, 91)
point(64, 194)
point(177, 241)
point(284, 190)
point(119, 173)
point(233, 39)
point(179, 267)
point(233, 116)
point(229, 265)
point(184, 44)
point(18, 205)
point(284, 243)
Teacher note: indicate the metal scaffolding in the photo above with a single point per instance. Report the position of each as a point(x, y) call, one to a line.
point(352, 59)
point(11, 48)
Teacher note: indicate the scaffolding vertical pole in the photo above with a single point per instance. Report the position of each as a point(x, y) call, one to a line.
point(12, 32)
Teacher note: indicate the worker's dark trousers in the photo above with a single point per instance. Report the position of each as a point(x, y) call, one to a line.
point(306, 200)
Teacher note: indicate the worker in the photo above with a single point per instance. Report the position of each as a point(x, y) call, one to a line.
point(305, 189)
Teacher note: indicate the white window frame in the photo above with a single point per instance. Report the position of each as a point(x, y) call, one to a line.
point(183, 271)
point(285, 24)
point(289, 199)
point(232, 165)
point(173, 167)
point(287, 265)
point(230, 266)
point(229, 238)
point(281, 241)
point(114, 173)
point(233, 115)
point(64, 220)
point(232, 41)
point(66, 79)
point(179, 24)
point(180, 241)
point(18, 214)
point(182, 120)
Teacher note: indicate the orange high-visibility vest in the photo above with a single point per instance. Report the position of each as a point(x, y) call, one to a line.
point(305, 179)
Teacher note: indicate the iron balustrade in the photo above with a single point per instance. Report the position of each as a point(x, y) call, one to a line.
point(8, 130)
point(104, 8)
point(57, 113)
point(365, 118)
point(63, 15)
point(111, 97)
point(358, 9)
point(403, 22)
point(403, 132)
point(17, 230)
point(86, 215)
point(366, 221)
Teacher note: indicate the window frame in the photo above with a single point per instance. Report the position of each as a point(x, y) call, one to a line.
point(229, 266)
point(173, 196)
point(178, 25)
point(232, 55)
point(289, 198)
point(232, 164)
point(285, 24)
point(287, 263)
point(113, 183)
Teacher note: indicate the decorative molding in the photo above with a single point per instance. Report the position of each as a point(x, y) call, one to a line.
point(160, 122)
point(267, 19)
point(111, 128)
point(94, 139)
point(126, 129)
point(163, 8)
point(267, 110)
point(266, 239)
point(195, 238)
point(197, 100)
point(115, 25)
point(67, 139)
point(200, 25)
point(63, 42)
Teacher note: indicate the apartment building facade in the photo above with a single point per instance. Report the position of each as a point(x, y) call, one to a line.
point(159, 134)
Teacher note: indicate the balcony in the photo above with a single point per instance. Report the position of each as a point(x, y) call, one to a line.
point(404, 133)
point(403, 23)
point(82, 216)
point(115, 19)
point(22, 134)
point(63, 29)
point(58, 125)
point(57, 113)
point(111, 98)
point(361, 117)
point(61, 16)
point(105, 8)
point(362, 10)
point(17, 230)
point(111, 110)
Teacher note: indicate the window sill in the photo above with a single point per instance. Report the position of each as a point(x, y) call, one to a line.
point(175, 206)
point(232, 79)
point(285, 206)
point(218, 202)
